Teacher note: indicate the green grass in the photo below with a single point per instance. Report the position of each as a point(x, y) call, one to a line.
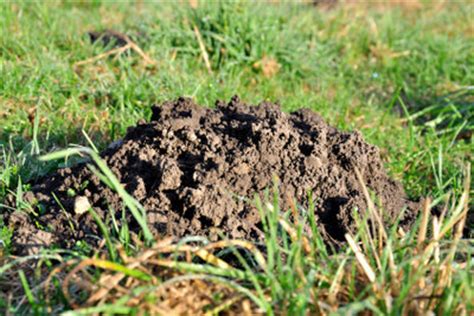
point(402, 76)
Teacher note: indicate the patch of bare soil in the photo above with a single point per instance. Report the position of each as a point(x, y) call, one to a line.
point(194, 169)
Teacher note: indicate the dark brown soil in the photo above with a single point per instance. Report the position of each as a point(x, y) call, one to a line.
point(108, 37)
point(192, 168)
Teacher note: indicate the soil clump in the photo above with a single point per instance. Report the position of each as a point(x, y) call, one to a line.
point(195, 170)
point(108, 37)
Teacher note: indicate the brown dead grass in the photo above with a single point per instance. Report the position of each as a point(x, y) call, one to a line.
point(269, 66)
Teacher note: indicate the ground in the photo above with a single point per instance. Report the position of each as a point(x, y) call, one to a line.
point(401, 73)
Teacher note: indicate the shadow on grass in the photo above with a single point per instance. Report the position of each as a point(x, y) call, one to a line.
point(451, 112)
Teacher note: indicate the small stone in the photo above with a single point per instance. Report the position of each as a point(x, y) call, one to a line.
point(81, 205)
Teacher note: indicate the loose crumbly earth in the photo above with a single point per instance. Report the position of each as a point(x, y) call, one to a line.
point(194, 170)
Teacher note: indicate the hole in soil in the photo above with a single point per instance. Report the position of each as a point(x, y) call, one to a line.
point(306, 149)
point(241, 131)
point(156, 113)
point(304, 127)
point(161, 227)
point(210, 165)
point(190, 212)
point(242, 117)
point(187, 163)
point(256, 137)
point(254, 234)
point(177, 204)
point(185, 114)
point(259, 226)
point(206, 221)
point(329, 219)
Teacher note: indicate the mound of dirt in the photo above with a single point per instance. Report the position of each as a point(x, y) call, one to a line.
point(192, 169)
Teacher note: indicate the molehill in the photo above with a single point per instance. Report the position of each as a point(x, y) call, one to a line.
point(195, 170)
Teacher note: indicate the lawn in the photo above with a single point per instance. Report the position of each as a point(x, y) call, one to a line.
point(402, 73)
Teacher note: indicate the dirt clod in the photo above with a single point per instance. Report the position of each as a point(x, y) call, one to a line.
point(194, 170)
point(81, 205)
point(108, 37)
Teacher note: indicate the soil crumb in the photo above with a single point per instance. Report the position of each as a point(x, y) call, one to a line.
point(108, 37)
point(196, 170)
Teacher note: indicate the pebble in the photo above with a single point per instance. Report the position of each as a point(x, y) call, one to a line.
point(81, 205)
